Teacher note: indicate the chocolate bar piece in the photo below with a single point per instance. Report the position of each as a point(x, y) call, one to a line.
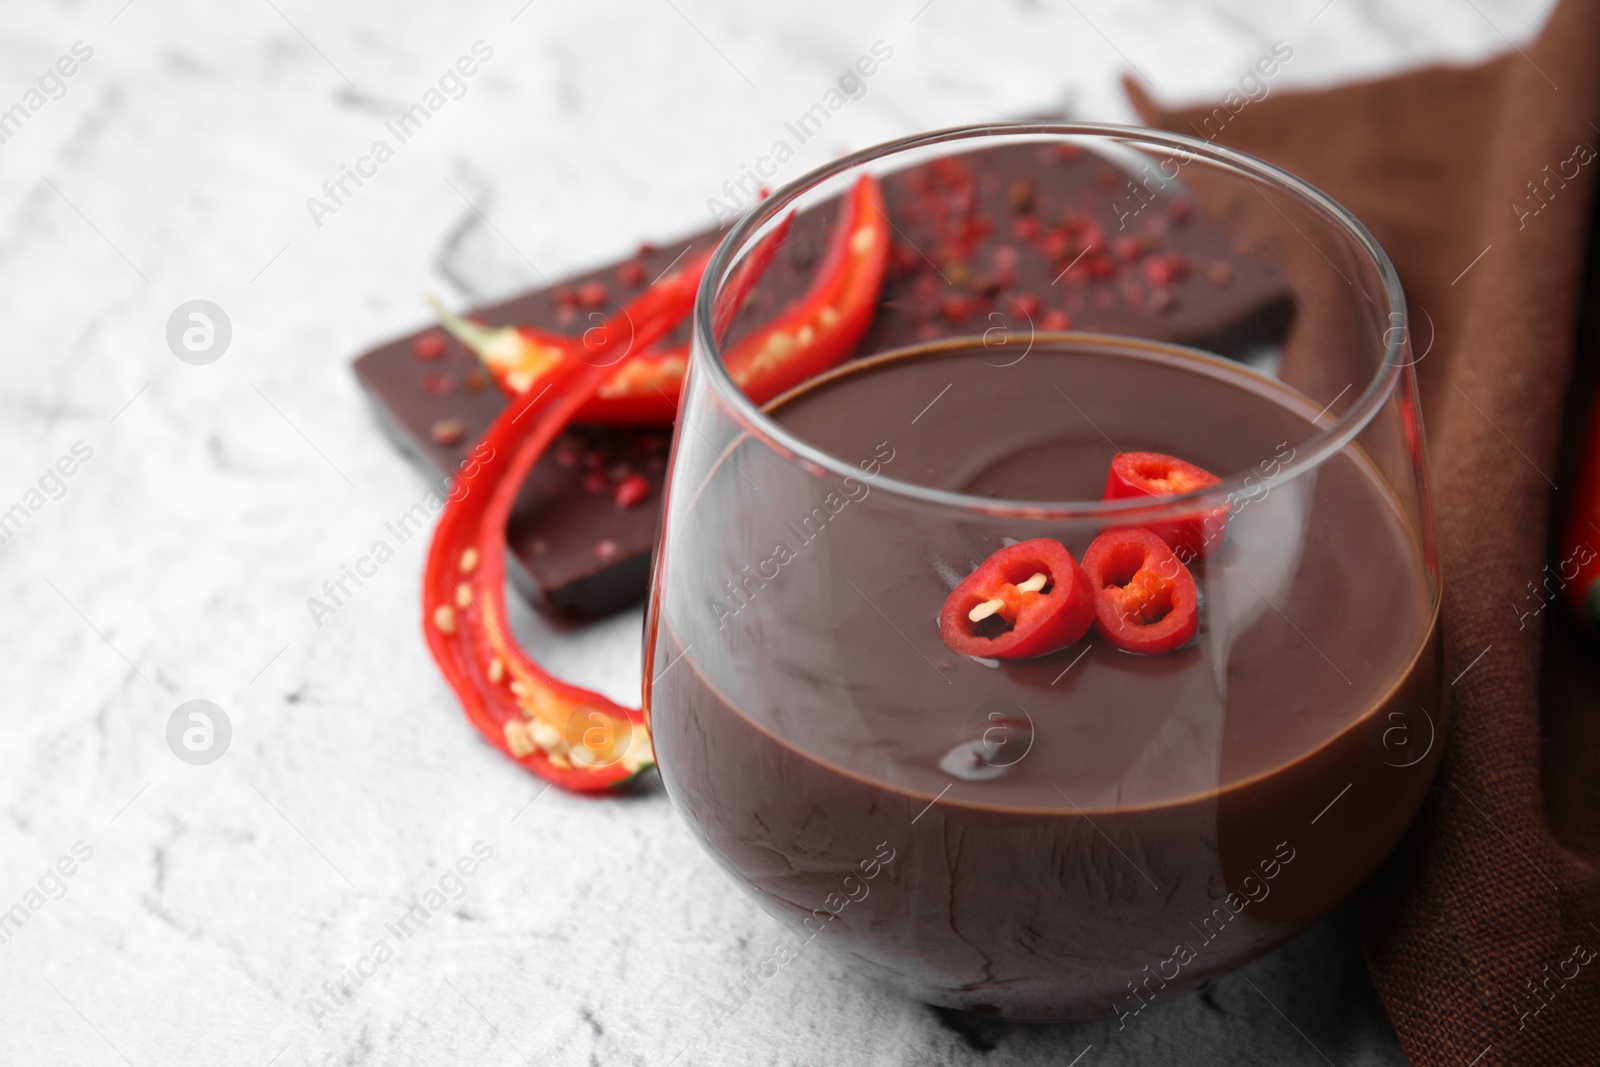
point(1020, 237)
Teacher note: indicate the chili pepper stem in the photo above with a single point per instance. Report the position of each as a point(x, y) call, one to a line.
point(486, 342)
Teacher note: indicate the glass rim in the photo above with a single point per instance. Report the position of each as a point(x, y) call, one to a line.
point(1323, 443)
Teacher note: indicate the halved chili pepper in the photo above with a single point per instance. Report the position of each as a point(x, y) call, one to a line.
point(645, 388)
point(821, 328)
point(1141, 474)
point(812, 335)
point(1027, 599)
point(572, 736)
point(1144, 597)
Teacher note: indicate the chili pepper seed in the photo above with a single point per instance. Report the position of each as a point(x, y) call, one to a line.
point(547, 737)
point(517, 739)
point(984, 610)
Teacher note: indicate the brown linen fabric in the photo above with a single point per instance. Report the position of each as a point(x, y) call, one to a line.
point(1481, 929)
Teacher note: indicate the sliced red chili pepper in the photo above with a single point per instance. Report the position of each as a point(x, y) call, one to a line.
point(572, 736)
point(1144, 597)
point(1027, 599)
point(818, 330)
point(1141, 474)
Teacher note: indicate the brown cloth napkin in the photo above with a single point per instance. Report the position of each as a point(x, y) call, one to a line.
point(1482, 929)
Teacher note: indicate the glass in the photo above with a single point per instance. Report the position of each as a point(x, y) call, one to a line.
point(1077, 833)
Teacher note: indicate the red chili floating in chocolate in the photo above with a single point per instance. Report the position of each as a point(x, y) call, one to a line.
point(1027, 599)
point(1144, 597)
point(1146, 474)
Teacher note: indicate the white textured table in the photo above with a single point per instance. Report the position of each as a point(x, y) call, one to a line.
point(210, 911)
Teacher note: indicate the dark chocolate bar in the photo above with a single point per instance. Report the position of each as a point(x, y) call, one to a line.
point(1020, 237)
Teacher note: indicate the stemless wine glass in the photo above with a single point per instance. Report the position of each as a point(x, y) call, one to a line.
point(1077, 832)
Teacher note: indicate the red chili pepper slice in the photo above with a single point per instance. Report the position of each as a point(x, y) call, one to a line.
point(1027, 599)
point(1142, 474)
point(1145, 598)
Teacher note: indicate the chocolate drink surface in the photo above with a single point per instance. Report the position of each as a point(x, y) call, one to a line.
point(1076, 833)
